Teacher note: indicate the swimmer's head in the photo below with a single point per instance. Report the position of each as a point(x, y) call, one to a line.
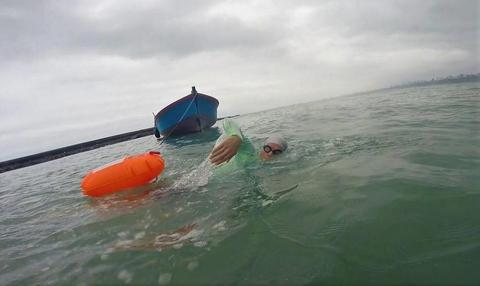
point(274, 145)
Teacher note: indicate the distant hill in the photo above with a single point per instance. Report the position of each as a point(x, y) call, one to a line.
point(461, 78)
point(446, 80)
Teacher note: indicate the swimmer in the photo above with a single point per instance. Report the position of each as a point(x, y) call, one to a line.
point(233, 144)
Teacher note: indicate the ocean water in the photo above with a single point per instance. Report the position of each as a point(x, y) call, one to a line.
point(376, 188)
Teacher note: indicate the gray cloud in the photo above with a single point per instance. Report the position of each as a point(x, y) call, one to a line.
point(174, 28)
point(179, 28)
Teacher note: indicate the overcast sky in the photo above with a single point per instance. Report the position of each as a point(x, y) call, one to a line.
point(72, 71)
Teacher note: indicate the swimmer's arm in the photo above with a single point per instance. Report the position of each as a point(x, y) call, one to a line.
point(229, 147)
point(225, 150)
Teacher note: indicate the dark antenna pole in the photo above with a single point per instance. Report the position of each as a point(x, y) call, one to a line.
point(195, 94)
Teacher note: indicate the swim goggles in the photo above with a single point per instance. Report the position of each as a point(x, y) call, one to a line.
point(269, 149)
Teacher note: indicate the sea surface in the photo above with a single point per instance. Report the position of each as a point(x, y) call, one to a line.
point(375, 188)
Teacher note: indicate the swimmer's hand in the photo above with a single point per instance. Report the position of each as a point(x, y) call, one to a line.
point(225, 150)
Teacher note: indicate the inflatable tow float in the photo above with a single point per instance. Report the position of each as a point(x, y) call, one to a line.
point(130, 172)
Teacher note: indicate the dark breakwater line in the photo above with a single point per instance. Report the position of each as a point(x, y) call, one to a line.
point(72, 149)
point(46, 156)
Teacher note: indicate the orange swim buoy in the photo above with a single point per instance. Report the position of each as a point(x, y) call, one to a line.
point(131, 172)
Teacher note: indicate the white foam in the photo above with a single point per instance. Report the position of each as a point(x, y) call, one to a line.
point(200, 244)
point(220, 226)
point(178, 245)
point(164, 278)
point(192, 265)
point(140, 235)
point(125, 276)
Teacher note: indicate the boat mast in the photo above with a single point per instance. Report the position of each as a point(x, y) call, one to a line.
point(195, 95)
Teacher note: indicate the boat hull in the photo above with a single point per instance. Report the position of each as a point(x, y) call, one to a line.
point(192, 113)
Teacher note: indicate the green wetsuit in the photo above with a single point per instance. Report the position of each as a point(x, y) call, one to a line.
point(246, 154)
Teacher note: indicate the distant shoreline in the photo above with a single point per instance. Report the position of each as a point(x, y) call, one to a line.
point(447, 80)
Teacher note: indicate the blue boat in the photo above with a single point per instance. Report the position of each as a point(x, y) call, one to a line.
point(192, 113)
